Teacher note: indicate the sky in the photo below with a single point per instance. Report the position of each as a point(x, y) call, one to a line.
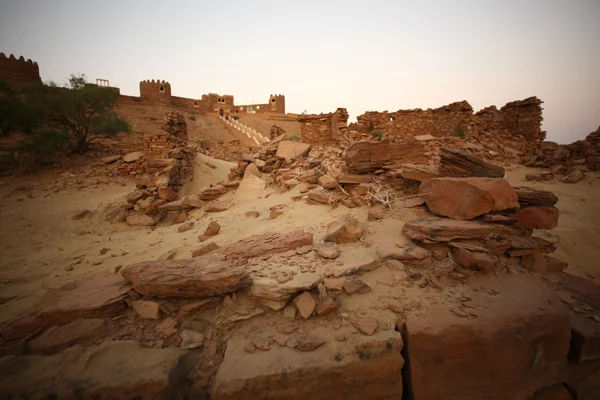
point(361, 55)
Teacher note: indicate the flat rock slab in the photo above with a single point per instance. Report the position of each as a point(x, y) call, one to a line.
point(204, 276)
point(363, 157)
point(267, 243)
point(461, 163)
point(97, 296)
point(361, 367)
point(444, 230)
point(83, 331)
point(111, 370)
point(537, 217)
point(289, 150)
point(275, 294)
point(514, 342)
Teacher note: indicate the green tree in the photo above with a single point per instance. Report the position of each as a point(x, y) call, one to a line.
point(85, 112)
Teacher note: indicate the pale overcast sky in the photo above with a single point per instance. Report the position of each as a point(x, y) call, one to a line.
point(362, 55)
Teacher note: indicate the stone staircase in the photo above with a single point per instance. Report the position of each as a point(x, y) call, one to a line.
point(251, 133)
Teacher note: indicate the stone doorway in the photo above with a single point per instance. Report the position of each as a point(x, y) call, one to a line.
point(221, 112)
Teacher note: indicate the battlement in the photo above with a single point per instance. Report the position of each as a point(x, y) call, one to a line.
point(19, 72)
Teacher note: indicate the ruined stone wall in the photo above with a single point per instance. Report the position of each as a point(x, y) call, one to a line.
point(519, 118)
point(155, 92)
point(18, 72)
point(323, 128)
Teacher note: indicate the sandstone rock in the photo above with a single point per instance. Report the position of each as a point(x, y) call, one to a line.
point(305, 304)
point(328, 182)
point(192, 200)
point(167, 193)
point(167, 328)
point(328, 250)
point(176, 205)
point(260, 343)
point(356, 285)
point(537, 217)
point(376, 212)
point(133, 157)
point(134, 372)
point(533, 177)
point(321, 196)
point(95, 296)
point(368, 364)
point(559, 170)
point(169, 255)
point(191, 339)
point(352, 179)
point(187, 278)
point(573, 177)
point(213, 192)
point(207, 248)
point(445, 230)
point(274, 293)
point(289, 311)
point(419, 172)
point(460, 163)
point(253, 214)
point(525, 325)
point(467, 198)
point(79, 214)
point(162, 181)
point(135, 196)
point(253, 169)
point(309, 342)
point(530, 196)
point(367, 325)
point(345, 230)
point(334, 283)
point(267, 243)
point(473, 259)
point(281, 339)
point(110, 159)
point(146, 309)
point(289, 150)
point(414, 202)
point(218, 206)
point(362, 157)
point(140, 220)
point(555, 265)
point(83, 331)
point(328, 306)
point(186, 226)
point(500, 219)
point(212, 229)
point(387, 249)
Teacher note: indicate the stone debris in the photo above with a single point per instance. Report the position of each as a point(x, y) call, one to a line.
point(461, 163)
point(309, 342)
point(346, 230)
point(140, 220)
point(367, 325)
point(212, 229)
point(268, 243)
point(83, 331)
point(191, 340)
point(206, 249)
point(328, 250)
point(355, 285)
point(79, 214)
point(146, 309)
point(305, 304)
point(328, 306)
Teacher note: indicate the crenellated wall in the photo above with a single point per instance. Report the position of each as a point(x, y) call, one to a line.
point(18, 72)
point(518, 118)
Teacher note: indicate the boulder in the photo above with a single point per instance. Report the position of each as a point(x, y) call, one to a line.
point(140, 220)
point(328, 182)
point(419, 172)
point(82, 331)
point(289, 149)
point(213, 192)
point(363, 157)
point(461, 163)
point(433, 229)
point(110, 370)
point(133, 157)
point(346, 230)
point(267, 243)
point(467, 198)
point(193, 277)
point(537, 217)
point(524, 325)
point(530, 196)
point(573, 176)
point(473, 259)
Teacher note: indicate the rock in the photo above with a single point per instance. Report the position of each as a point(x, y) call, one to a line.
point(321, 196)
point(267, 243)
point(140, 220)
point(110, 159)
point(305, 304)
point(534, 177)
point(345, 230)
point(191, 339)
point(213, 192)
point(460, 163)
point(186, 226)
point(537, 217)
point(328, 250)
point(134, 372)
point(467, 198)
point(260, 343)
point(83, 331)
point(167, 328)
point(169, 255)
point(136, 195)
point(253, 214)
point(525, 323)
point(328, 182)
point(355, 285)
point(555, 265)
point(366, 365)
point(192, 200)
point(334, 283)
point(289, 311)
point(275, 213)
point(95, 296)
point(309, 342)
point(176, 205)
point(212, 229)
point(79, 214)
point(530, 196)
point(414, 202)
point(473, 259)
point(133, 157)
point(275, 293)
point(363, 157)
point(193, 277)
point(559, 170)
point(376, 212)
point(162, 181)
point(500, 219)
point(387, 249)
point(424, 138)
point(146, 309)
point(419, 172)
point(218, 206)
point(352, 179)
point(573, 176)
point(444, 230)
point(167, 193)
point(289, 150)
point(253, 169)
point(207, 248)
point(281, 339)
point(328, 306)
point(367, 325)
point(584, 380)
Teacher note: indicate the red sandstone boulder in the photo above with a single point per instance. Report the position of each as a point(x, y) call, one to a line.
point(461, 163)
point(364, 157)
point(473, 259)
point(267, 243)
point(467, 198)
point(431, 229)
point(537, 217)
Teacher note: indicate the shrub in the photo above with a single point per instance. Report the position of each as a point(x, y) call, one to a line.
point(295, 138)
point(236, 117)
point(39, 148)
point(377, 135)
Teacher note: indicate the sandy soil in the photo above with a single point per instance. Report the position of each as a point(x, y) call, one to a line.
point(43, 248)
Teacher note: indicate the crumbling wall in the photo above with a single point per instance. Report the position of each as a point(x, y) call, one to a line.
point(518, 118)
point(324, 128)
point(18, 72)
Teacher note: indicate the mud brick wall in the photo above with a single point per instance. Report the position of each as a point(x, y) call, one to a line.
point(18, 72)
point(518, 118)
point(323, 128)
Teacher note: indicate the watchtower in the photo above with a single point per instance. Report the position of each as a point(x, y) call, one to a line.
point(277, 103)
point(155, 92)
